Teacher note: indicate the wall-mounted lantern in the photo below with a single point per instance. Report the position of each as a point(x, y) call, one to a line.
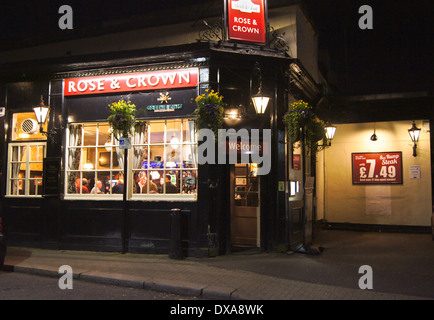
point(330, 133)
point(260, 99)
point(414, 133)
point(41, 112)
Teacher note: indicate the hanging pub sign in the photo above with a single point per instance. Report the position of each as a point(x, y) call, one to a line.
point(143, 81)
point(246, 20)
point(377, 168)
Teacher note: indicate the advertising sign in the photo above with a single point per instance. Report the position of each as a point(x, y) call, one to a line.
point(153, 80)
point(247, 20)
point(377, 168)
point(51, 177)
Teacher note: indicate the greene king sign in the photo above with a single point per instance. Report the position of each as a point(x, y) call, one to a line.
point(246, 20)
point(155, 80)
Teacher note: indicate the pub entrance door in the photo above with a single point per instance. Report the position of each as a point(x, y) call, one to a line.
point(245, 206)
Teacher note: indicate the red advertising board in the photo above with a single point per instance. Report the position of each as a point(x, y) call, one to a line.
point(247, 20)
point(153, 80)
point(377, 168)
point(296, 162)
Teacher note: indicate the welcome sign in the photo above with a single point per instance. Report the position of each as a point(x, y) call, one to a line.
point(247, 20)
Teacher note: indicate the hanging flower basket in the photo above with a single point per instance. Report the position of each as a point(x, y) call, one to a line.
point(122, 118)
point(210, 111)
point(300, 116)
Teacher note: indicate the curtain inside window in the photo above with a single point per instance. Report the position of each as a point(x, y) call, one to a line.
point(16, 166)
point(192, 139)
point(120, 154)
point(75, 134)
point(140, 137)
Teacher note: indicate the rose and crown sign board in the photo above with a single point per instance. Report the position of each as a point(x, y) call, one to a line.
point(246, 20)
point(377, 168)
point(143, 81)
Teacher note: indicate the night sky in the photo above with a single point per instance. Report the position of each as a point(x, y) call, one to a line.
point(396, 55)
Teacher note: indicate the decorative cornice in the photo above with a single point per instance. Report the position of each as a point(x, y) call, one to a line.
point(132, 69)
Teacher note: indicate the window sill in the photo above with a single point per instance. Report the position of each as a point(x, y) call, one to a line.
point(141, 197)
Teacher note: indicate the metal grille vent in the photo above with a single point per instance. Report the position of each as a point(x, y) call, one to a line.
point(29, 126)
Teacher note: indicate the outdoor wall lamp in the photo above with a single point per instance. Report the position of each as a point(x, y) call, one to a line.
point(260, 99)
point(330, 134)
point(414, 133)
point(41, 112)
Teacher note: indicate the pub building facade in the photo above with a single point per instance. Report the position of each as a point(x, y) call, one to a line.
point(68, 184)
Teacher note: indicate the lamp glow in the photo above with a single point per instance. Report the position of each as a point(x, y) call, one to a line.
point(174, 142)
point(260, 102)
point(330, 132)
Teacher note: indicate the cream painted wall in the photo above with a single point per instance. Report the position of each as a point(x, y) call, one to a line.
point(338, 200)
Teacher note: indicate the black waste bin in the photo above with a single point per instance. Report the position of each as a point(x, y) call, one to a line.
point(175, 241)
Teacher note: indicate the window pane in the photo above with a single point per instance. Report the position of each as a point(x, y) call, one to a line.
point(105, 156)
point(73, 179)
point(18, 153)
point(82, 185)
point(88, 162)
point(37, 153)
point(189, 182)
point(173, 157)
point(156, 178)
point(171, 181)
point(156, 131)
point(74, 158)
point(35, 187)
point(144, 185)
point(189, 154)
point(156, 157)
point(89, 132)
point(18, 187)
point(140, 160)
point(104, 177)
point(173, 133)
point(188, 132)
point(104, 136)
point(117, 183)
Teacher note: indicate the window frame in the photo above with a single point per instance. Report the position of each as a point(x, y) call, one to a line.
point(28, 162)
point(87, 196)
point(165, 196)
point(131, 196)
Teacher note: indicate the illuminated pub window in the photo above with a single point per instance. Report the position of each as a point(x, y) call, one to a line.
point(162, 161)
point(165, 159)
point(25, 156)
point(93, 162)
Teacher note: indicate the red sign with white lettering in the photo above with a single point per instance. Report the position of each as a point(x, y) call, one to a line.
point(377, 168)
point(246, 20)
point(155, 80)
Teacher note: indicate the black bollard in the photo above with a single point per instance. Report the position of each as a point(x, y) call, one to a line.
point(175, 241)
